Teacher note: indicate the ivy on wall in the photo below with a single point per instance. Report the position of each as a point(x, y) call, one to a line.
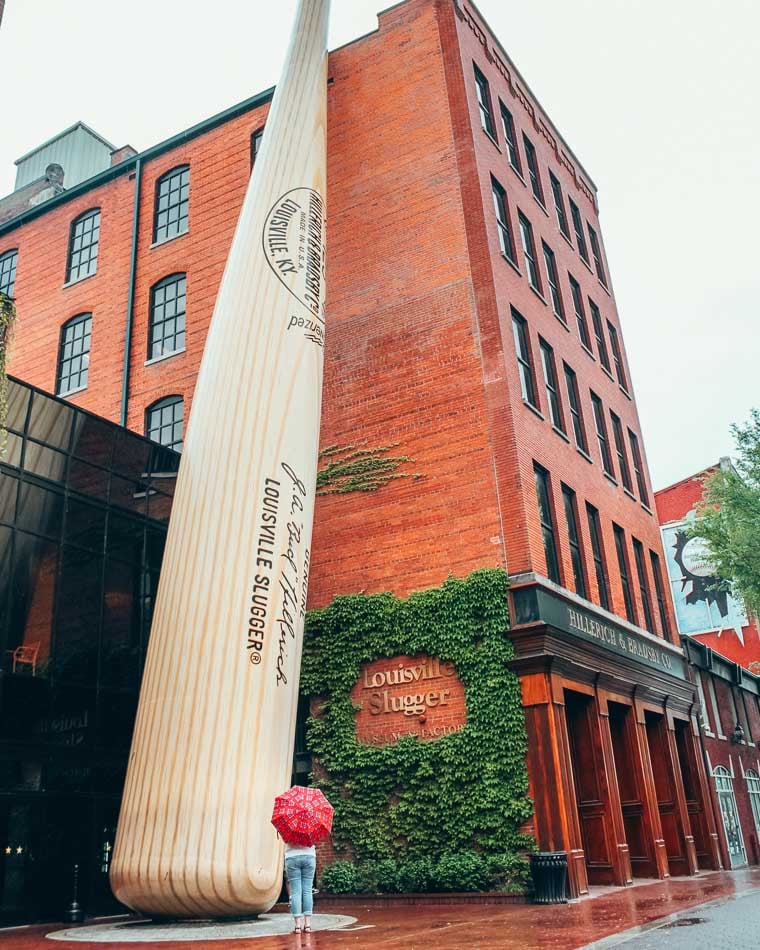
point(7, 321)
point(466, 791)
point(352, 468)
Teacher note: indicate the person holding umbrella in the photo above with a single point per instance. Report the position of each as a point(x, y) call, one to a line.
point(302, 816)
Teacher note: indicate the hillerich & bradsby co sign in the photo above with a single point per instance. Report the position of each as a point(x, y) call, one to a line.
point(408, 696)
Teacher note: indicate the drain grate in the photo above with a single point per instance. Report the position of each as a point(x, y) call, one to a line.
point(685, 922)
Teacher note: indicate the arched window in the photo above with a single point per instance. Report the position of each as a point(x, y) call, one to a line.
point(74, 354)
point(167, 316)
point(724, 785)
point(171, 212)
point(8, 272)
point(164, 422)
point(83, 245)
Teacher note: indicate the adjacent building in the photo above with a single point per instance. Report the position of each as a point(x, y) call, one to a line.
point(475, 354)
point(723, 645)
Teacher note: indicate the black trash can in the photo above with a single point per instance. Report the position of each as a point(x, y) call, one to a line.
point(549, 872)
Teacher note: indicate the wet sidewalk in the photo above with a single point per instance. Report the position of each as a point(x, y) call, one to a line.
point(463, 926)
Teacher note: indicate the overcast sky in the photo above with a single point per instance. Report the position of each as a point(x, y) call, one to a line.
point(658, 99)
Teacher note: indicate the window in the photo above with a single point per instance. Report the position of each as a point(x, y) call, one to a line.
point(8, 272)
point(535, 178)
point(524, 361)
point(502, 220)
point(596, 251)
point(580, 313)
point(578, 228)
point(625, 471)
point(715, 709)
point(552, 389)
point(256, 139)
point(576, 554)
point(172, 204)
point(601, 345)
point(543, 493)
point(551, 273)
point(83, 246)
point(167, 316)
point(753, 788)
point(579, 430)
point(559, 205)
point(163, 422)
point(529, 250)
point(622, 556)
point(617, 356)
point(703, 703)
point(601, 435)
point(660, 594)
point(641, 573)
point(638, 467)
point(595, 533)
point(74, 354)
point(484, 103)
point(508, 125)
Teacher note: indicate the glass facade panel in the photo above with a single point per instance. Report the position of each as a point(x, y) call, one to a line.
point(77, 582)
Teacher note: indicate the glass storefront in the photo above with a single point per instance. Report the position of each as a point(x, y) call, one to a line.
point(84, 506)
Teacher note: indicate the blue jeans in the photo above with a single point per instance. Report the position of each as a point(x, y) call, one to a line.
point(300, 869)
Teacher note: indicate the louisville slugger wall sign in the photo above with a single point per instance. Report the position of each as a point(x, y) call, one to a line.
point(215, 727)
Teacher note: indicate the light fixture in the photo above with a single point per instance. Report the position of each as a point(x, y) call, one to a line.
point(737, 735)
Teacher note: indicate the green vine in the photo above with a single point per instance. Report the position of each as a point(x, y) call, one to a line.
point(351, 468)
point(7, 321)
point(413, 799)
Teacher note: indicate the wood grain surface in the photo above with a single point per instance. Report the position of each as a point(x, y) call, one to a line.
point(213, 740)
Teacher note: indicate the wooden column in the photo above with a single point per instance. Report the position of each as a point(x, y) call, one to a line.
point(683, 810)
point(650, 793)
point(698, 798)
point(551, 776)
point(621, 857)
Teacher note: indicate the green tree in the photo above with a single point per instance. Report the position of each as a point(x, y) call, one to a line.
point(728, 517)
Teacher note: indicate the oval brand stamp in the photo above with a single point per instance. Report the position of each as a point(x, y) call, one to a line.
point(294, 246)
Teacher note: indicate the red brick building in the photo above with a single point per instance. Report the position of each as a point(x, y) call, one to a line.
point(474, 344)
point(718, 620)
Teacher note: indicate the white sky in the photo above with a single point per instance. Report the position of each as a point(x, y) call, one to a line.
point(658, 98)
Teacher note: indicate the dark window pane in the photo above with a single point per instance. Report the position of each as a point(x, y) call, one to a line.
point(573, 536)
point(167, 316)
point(18, 403)
point(543, 493)
point(508, 124)
point(75, 645)
point(85, 524)
point(8, 262)
point(578, 228)
point(622, 556)
point(595, 532)
point(50, 422)
point(172, 204)
point(31, 595)
point(40, 510)
point(484, 102)
point(74, 354)
point(83, 246)
point(120, 649)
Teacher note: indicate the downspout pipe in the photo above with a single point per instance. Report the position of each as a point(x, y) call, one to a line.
point(131, 294)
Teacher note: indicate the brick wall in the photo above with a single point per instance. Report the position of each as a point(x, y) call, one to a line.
point(674, 504)
point(420, 358)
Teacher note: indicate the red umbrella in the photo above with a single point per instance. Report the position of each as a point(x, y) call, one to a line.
point(302, 815)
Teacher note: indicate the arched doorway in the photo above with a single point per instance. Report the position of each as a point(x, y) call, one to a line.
point(724, 786)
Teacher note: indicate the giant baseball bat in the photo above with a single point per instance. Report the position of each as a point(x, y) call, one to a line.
point(215, 727)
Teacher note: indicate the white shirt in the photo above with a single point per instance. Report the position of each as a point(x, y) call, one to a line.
point(294, 849)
